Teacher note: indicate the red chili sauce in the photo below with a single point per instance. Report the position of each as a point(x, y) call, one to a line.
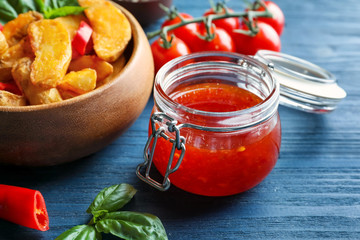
point(221, 163)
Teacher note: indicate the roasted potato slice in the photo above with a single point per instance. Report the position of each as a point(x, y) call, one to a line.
point(103, 69)
point(11, 55)
point(16, 29)
point(51, 44)
point(3, 44)
point(112, 30)
point(80, 82)
point(10, 99)
point(34, 94)
point(72, 23)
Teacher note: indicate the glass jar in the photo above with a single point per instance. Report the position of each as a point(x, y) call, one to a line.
point(215, 129)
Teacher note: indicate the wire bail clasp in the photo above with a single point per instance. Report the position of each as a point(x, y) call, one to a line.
point(177, 143)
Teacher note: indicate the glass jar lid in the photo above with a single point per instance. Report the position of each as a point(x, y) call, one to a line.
point(303, 85)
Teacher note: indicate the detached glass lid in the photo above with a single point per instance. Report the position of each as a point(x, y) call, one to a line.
point(303, 85)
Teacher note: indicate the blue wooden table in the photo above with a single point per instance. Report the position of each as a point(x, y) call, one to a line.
point(313, 192)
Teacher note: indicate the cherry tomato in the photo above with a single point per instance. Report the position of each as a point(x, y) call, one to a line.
point(162, 55)
point(228, 24)
point(278, 19)
point(187, 33)
point(221, 42)
point(267, 38)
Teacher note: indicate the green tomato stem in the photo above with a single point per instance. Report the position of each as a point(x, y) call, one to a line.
point(163, 32)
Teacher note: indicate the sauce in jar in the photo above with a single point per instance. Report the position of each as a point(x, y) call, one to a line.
point(215, 129)
point(221, 164)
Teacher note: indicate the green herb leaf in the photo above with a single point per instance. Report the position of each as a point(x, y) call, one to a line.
point(132, 226)
point(10, 9)
point(63, 11)
point(60, 3)
point(41, 5)
point(7, 12)
point(98, 215)
point(22, 6)
point(81, 232)
point(112, 198)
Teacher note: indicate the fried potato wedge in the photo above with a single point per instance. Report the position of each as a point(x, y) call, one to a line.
point(11, 55)
point(3, 43)
point(117, 67)
point(103, 69)
point(51, 44)
point(34, 94)
point(112, 30)
point(80, 82)
point(67, 94)
point(16, 29)
point(10, 99)
point(72, 23)
point(5, 74)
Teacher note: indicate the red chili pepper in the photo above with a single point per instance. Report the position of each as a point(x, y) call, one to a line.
point(82, 39)
point(23, 206)
point(10, 87)
point(75, 54)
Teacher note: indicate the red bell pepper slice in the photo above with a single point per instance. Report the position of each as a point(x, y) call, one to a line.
point(82, 41)
point(23, 206)
point(10, 87)
point(1, 27)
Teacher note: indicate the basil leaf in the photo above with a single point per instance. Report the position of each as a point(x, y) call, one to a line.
point(81, 232)
point(112, 198)
point(63, 11)
point(7, 12)
point(98, 215)
point(51, 3)
point(9, 9)
point(60, 3)
point(41, 5)
point(132, 226)
point(22, 6)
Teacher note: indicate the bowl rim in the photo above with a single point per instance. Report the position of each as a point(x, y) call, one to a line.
point(95, 92)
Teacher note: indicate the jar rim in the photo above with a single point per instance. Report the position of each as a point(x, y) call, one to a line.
point(270, 100)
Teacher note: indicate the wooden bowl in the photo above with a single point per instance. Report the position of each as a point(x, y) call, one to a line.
point(43, 135)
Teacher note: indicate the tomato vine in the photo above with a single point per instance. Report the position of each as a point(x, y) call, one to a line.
point(246, 16)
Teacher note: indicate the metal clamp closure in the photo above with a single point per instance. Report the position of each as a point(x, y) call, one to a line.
point(177, 143)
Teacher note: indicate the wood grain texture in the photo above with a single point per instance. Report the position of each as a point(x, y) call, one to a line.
point(313, 192)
